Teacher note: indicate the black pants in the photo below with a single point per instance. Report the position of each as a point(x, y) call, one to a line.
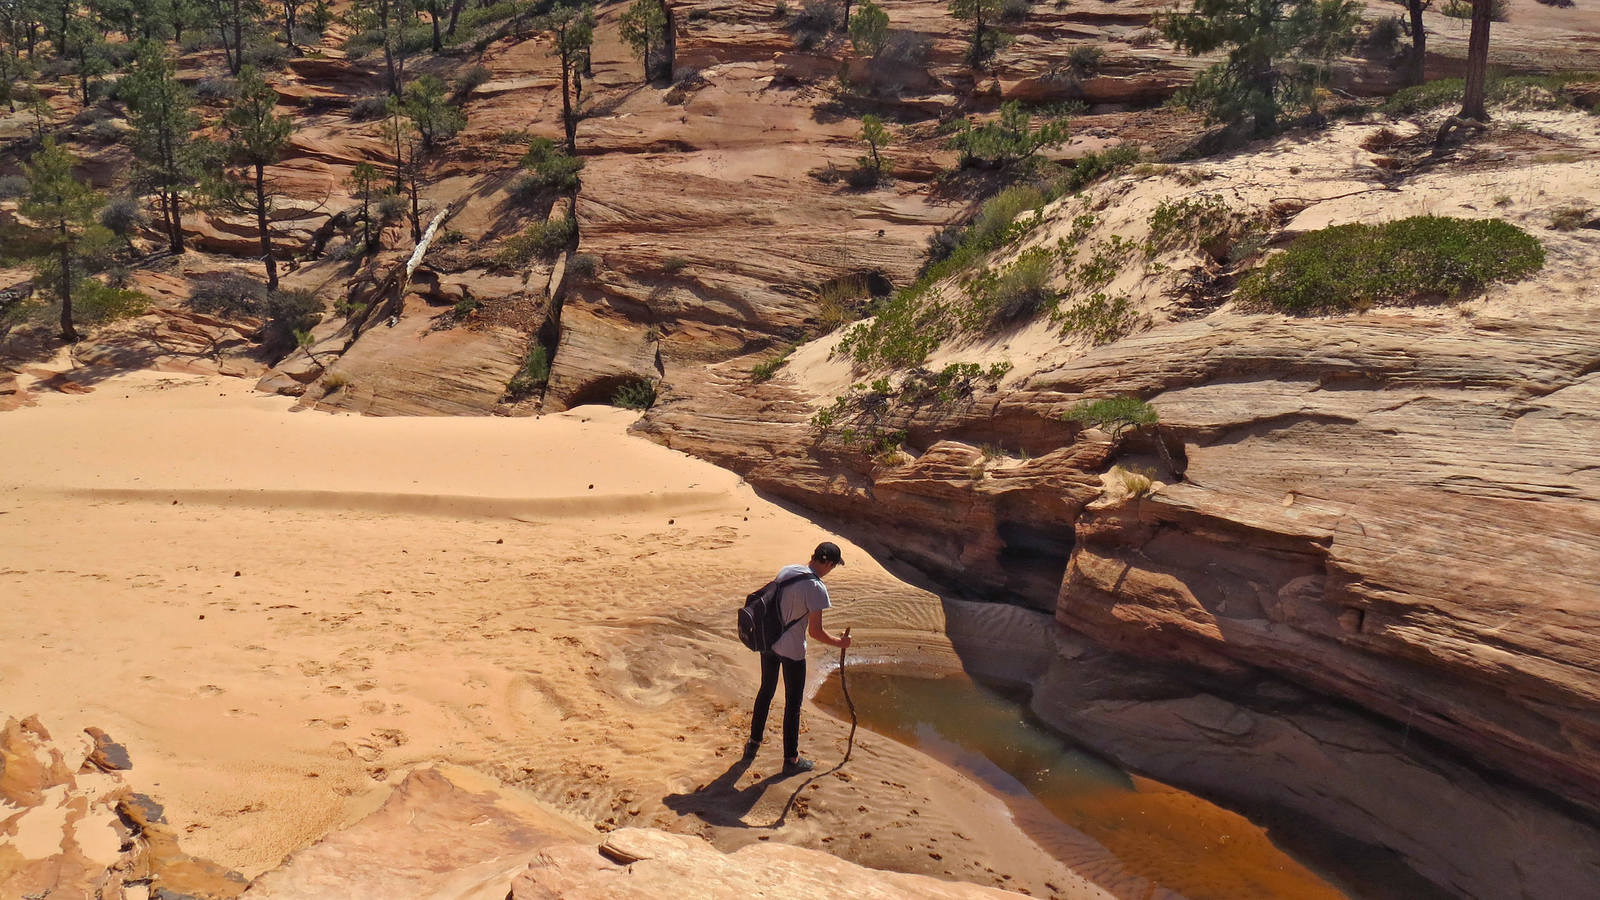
point(794, 690)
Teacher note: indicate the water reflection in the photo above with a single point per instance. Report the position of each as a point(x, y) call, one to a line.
point(1161, 841)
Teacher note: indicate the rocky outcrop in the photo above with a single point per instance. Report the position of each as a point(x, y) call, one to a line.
point(452, 834)
point(642, 863)
point(70, 826)
point(1370, 582)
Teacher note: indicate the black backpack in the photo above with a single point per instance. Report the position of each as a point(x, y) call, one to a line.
point(761, 619)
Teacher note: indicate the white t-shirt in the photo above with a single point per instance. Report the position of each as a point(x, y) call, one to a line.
point(799, 600)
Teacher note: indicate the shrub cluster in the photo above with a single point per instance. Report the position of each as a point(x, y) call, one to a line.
point(1114, 415)
point(533, 376)
point(541, 239)
point(1420, 259)
point(1514, 91)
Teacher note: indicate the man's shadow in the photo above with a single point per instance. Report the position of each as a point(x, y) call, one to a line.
point(723, 803)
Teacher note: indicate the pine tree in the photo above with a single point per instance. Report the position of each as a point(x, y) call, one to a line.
point(573, 30)
point(63, 211)
point(641, 27)
point(256, 138)
point(1277, 53)
point(162, 114)
point(364, 182)
point(875, 135)
point(869, 29)
point(426, 103)
point(980, 13)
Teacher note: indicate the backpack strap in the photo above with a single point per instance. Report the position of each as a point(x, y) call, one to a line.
point(777, 596)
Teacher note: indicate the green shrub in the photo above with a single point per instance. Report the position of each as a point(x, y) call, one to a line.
point(1420, 259)
point(583, 266)
point(534, 374)
point(466, 306)
point(96, 302)
point(1093, 166)
point(468, 81)
point(1499, 11)
point(672, 265)
point(1015, 292)
point(373, 106)
point(1113, 415)
point(763, 371)
point(1514, 91)
point(1099, 317)
point(550, 169)
point(1011, 139)
point(1189, 221)
point(541, 239)
point(639, 393)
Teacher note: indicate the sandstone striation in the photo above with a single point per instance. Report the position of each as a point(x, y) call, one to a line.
point(1370, 580)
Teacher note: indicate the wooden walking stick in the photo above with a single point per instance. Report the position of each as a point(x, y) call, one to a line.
point(844, 686)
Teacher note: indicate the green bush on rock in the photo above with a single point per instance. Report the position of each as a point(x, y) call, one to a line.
point(1419, 259)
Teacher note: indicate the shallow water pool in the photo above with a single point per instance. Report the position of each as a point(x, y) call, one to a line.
point(1146, 839)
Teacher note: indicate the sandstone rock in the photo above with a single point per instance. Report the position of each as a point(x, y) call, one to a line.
point(643, 863)
point(597, 355)
point(72, 828)
point(445, 833)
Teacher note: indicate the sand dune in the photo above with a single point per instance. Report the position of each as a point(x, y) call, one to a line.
point(279, 614)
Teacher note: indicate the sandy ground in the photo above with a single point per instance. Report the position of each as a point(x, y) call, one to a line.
point(279, 613)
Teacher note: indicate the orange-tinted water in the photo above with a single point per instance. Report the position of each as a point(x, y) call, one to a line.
point(1157, 836)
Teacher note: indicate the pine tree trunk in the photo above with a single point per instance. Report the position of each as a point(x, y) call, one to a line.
point(566, 103)
point(433, 16)
point(261, 226)
point(176, 242)
point(455, 13)
point(1472, 107)
point(68, 333)
point(1417, 70)
point(669, 43)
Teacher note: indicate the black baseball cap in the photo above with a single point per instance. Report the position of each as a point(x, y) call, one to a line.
point(828, 551)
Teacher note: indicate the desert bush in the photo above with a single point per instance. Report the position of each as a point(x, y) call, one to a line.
point(1093, 166)
point(1385, 34)
point(541, 239)
point(334, 382)
point(390, 207)
point(815, 20)
point(869, 28)
point(638, 393)
point(266, 54)
point(550, 169)
point(215, 90)
point(533, 375)
point(1084, 60)
point(13, 186)
point(123, 216)
point(1196, 220)
point(763, 371)
point(1133, 483)
point(468, 81)
point(1114, 415)
point(1419, 259)
point(96, 302)
point(1513, 91)
point(1569, 218)
point(231, 294)
point(904, 47)
point(1100, 317)
point(1499, 10)
point(1014, 292)
point(1014, 11)
point(583, 266)
point(373, 106)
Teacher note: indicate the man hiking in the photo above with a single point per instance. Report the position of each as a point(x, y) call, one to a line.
point(801, 599)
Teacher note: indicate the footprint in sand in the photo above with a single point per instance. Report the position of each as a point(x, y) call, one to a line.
point(373, 707)
point(209, 690)
point(334, 689)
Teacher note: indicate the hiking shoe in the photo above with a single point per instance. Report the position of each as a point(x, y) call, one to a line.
point(750, 748)
point(798, 765)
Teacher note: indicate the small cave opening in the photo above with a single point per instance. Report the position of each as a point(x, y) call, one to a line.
point(1034, 558)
